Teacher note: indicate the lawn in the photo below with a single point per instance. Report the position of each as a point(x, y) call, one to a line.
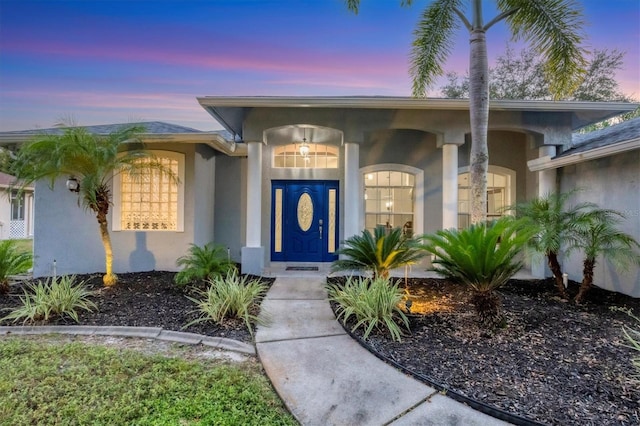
point(24, 245)
point(45, 381)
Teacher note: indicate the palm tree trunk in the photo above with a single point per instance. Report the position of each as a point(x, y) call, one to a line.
point(109, 278)
point(556, 270)
point(479, 118)
point(587, 279)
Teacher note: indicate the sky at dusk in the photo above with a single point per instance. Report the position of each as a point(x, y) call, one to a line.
point(102, 62)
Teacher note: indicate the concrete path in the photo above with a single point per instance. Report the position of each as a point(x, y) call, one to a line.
point(327, 378)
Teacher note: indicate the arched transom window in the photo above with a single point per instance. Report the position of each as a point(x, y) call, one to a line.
point(305, 156)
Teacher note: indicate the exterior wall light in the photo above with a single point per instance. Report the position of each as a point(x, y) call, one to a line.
point(72, 184)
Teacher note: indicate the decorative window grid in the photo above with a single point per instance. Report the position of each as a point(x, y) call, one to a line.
point(319, 157)
point(389, 200)
point(149, 199)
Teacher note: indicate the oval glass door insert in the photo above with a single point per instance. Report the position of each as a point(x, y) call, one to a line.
point(305, 212)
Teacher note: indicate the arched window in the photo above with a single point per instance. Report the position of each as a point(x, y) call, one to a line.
point(305, 156)
point(150, 201)
point(500, 194)
point(391, 197)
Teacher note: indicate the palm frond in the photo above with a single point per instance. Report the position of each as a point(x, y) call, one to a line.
point(433, 41)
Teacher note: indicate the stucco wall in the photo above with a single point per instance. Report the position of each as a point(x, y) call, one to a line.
point(229, 215)
point(613, 183)
point(69, 235)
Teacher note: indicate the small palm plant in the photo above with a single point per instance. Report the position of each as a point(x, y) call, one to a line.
point(379, 253)
point(601, 237)
point(484, 257)
point(553, 225)
point(13, 261)
point(203, 263)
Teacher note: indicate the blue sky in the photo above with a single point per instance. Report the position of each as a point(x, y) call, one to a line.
point(119, 61)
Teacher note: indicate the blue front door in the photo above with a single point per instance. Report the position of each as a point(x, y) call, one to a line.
point(304, 221)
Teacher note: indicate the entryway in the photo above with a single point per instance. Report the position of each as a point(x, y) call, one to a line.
point(304, 220)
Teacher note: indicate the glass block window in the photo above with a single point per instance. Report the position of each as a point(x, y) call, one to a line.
point(389, 200)
point(309, 156)
point(149, 200)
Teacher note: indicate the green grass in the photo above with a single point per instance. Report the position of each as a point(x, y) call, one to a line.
point(25, 245)
point(44, 382)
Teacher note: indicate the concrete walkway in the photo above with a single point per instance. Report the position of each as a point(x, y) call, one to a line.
point(327, 378)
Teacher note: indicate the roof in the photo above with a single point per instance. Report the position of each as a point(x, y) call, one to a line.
point(7, 181)
point(151, 127)
point(230, 111)
point(625, 131)
point(617, 139)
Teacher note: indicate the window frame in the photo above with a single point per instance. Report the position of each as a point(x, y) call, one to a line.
point(418, 194)
point(116, 224)
point(510, 191)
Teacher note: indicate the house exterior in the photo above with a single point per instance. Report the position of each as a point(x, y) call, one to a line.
point(605, 166)
point(291, 177)
point(16, 210)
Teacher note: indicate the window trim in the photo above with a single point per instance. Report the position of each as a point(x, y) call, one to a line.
point(418, 203)
point(498, 170)
point(116, 219)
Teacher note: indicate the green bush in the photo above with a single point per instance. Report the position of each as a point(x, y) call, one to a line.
point(203, 263)
point(230, 297)
point(484, 257)
point(375, 304)
point(56, 297)
point(13, 261)
point(632, 335)
point(380, 253)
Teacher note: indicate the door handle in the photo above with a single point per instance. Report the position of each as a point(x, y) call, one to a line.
point(320, 227)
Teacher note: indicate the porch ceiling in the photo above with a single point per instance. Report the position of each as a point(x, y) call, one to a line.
point(231, 111)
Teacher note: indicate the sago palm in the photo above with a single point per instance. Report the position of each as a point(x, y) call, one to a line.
point(204, 263)
point(379, 252)
point(483, 257)
point(601, 237)
point(13, 261)
point(552, 27)
point(93, 160)
point(554, 226)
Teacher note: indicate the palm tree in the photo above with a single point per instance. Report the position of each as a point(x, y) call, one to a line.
point(482, 256)
point(92, 160)
point(379, 252)
point(553, 226)
point(553, 27)
point(601, 237)
point(203, 263)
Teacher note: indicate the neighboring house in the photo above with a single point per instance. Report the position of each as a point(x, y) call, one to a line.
point(16, 210)
point(291, 177)
point(605, 166)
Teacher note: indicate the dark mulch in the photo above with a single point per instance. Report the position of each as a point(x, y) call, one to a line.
point(554, 362)
point(145, 299)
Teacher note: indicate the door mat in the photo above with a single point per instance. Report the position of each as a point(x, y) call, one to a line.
point(301, 268)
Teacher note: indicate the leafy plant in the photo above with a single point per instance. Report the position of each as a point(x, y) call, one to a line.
point(380, 253)
point(553, 224)
point(483, 257)
point(375, 304)
point(92, 160)
point(601, 237)
point(203, 263)
point(51, 298)
point(632, 335)
point(12, 262)
point(230, 296)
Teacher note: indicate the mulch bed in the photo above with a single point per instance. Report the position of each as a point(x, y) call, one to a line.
point(145, 299)
point(555, 363)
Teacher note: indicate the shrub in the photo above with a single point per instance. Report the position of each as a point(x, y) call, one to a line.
point(12, 262)
point(51, 298)
point(375, 304)
point(380, 253)
point(633, 337)
point(230, 297)
point(203, 263)
point(483, 257)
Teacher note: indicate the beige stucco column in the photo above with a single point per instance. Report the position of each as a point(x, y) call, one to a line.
point(449, 186)
point(351, 189)
point(253, 252)
point(546, 178)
